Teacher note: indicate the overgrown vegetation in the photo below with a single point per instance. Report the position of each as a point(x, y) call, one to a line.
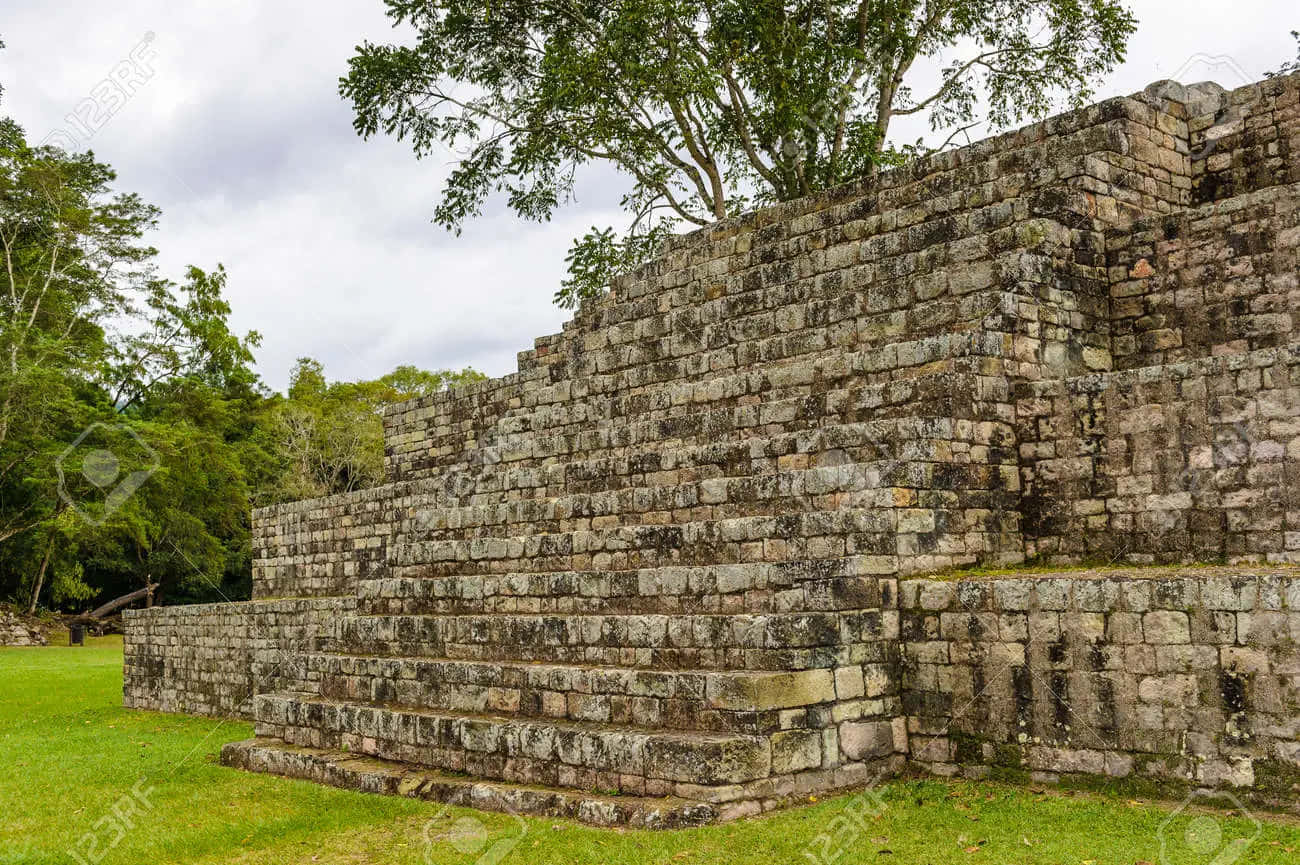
point(331, 434)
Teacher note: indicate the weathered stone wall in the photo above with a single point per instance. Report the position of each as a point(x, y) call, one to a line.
point(1220, 279)
point(676, 534)
point(1248, 142)
point(1194, 461)
point(212, 659)
point(320, 547)
point(1193, 676)
point(16, 632)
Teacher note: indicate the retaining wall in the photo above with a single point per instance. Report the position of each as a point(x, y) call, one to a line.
point(1192, 676)
point(212, 659)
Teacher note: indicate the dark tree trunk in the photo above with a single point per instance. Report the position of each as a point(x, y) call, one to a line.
point(40, 577)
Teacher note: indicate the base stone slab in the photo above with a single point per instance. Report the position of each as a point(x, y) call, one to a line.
point(350, 772)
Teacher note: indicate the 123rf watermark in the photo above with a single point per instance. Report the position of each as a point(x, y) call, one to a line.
point(106, 98)
point(472, 838)
point(1187, 835)
point(108, 831)
point(102, 469)
point(845, 831)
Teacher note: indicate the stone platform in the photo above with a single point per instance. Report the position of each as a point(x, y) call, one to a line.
point(671, 570)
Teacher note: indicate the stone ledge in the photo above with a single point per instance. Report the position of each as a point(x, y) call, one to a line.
point(368, 775)
point(347, 771)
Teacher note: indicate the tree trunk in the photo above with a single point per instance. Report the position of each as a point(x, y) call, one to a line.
point(113, 605)
point(40, 577)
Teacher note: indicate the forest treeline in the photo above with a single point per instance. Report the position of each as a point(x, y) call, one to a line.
point(135, 435)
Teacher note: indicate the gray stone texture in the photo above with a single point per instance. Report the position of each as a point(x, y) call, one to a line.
point(677, 553)
point(16, 632)
point(1191, 674)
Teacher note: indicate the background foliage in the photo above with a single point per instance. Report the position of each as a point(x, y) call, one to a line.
point(135, 436)
point(707, 107)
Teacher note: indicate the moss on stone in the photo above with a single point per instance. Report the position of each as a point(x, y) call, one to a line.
point(1274, 778)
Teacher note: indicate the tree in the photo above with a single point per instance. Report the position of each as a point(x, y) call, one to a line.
point(331, 434)
point(178, 529)
point(99, 356)
point(1291, 66)
point(135, 436)
point(72, 258)
point(210, 426)
point(186, 335)
point(409, 382)
point(707, 106)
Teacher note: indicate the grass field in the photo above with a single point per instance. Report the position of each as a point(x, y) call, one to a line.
point(87, 781)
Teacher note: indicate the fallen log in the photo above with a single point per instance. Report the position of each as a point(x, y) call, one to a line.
point(94, 616)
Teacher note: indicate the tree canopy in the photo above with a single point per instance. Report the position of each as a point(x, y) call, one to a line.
point(708, 107)
point(331, 434)
point(135, 435)
point(1291, 66)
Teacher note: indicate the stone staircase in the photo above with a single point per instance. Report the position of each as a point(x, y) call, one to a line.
point(689, 616)
point(687, 689)
point(704, 637)
point(652, 577)
point(664, 648)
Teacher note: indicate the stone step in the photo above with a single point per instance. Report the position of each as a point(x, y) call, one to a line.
point(718, 701)
point(369, 775)
point(424, 435)
point(548, 752)
point(508, 469)
point(769, 320)
point(810, 585)
point(776, 641)
point(750, 317)
point(703, 542)
point(846, 480)
point(714, 411)
point(878, 527)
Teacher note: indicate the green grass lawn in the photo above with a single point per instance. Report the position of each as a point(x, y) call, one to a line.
point(73, 757)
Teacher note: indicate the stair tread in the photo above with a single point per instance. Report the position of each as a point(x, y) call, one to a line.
point(683, 736)
point(346, 769)
point(863, 518)
point(547, 665)
point(610, 574)
point(852, 367)
point(809, 584)
point(713, 640)
point(790, 476)
point(535, 421)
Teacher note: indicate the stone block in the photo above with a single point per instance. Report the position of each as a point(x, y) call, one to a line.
point(765, 691)
point(849, 683)
point(866, 740)
point(796, 750)
point(1166, 626)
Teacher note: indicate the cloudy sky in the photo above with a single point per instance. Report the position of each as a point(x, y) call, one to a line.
point(240, 136)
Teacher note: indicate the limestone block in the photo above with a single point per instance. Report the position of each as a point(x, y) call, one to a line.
point(866, 740)
point(1166, 626)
